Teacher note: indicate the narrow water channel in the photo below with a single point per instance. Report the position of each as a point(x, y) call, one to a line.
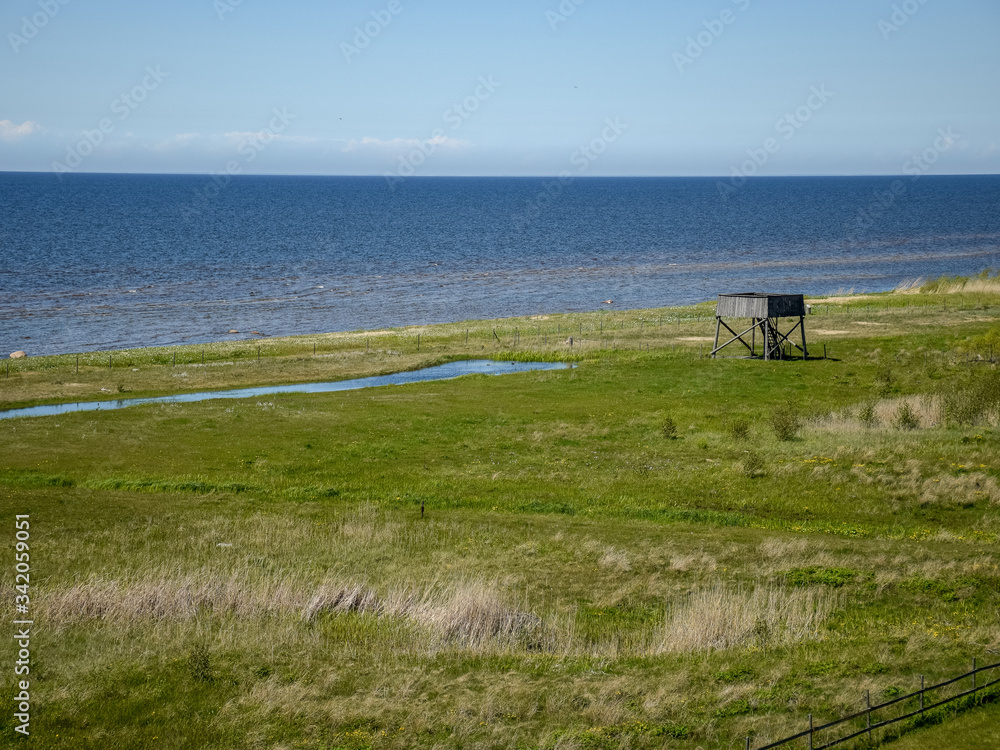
point(438, 372)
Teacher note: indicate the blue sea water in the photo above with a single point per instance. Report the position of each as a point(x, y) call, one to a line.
point(97, 262)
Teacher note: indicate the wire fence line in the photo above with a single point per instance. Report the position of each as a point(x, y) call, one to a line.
point(872, 722)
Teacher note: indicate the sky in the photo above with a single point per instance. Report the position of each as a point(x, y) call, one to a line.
point(503, 87)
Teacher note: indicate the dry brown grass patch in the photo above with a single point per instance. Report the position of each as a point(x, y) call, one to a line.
point(721, 617)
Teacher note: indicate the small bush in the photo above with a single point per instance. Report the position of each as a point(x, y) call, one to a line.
point(867, 414)
point(785, 422)
point(738, 428)
point(669, 429)
point(906, 418)
point(752, 465)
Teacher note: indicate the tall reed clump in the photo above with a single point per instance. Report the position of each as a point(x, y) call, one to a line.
point(466, 613)
point(722, 616)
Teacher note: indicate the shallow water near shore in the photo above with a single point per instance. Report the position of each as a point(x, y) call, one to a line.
point(105, 262)
point(438, 372)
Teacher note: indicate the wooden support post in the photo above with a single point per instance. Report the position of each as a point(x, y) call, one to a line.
point(921, 692)
point(175, 359)
point(973, 672)
point(810, 732)
point(718, 326)
point(314, 348)
point(78, 363)
point(418, 342)
point(109, 360)
point(802, 325)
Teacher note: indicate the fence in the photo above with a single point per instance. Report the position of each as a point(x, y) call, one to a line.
point(812, 733)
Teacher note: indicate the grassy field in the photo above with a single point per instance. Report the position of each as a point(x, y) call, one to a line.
point(653, 549)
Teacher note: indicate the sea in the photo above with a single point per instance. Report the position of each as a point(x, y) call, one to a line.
point(97, 262)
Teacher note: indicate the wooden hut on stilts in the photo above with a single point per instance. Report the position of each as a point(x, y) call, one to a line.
point(764, 312)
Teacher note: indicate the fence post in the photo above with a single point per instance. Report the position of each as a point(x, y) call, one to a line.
point(810, 732)
point(418, 342)
point(78, 363)
point(109, 360)
point(868, 713)
point(973, 672)
point(748, 742)
point(921, 692)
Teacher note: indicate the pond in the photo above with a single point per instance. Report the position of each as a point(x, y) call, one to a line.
point(438, 372)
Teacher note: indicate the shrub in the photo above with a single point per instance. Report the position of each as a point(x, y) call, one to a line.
point(738, 428)
point(752, 465)
point(785, 422)
point(906, 418)
point(669, 429)
point(867, 414)
point(973, 401)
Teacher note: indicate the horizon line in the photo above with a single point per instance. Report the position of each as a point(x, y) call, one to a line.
point(575, 178)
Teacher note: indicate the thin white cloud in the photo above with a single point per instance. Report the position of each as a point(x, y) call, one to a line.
point(265, 135)
point(399, 144)
point(11, 132)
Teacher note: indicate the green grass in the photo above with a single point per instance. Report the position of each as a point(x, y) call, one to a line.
point(258, 574)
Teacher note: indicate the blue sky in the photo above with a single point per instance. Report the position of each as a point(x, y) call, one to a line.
point(511, 87)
